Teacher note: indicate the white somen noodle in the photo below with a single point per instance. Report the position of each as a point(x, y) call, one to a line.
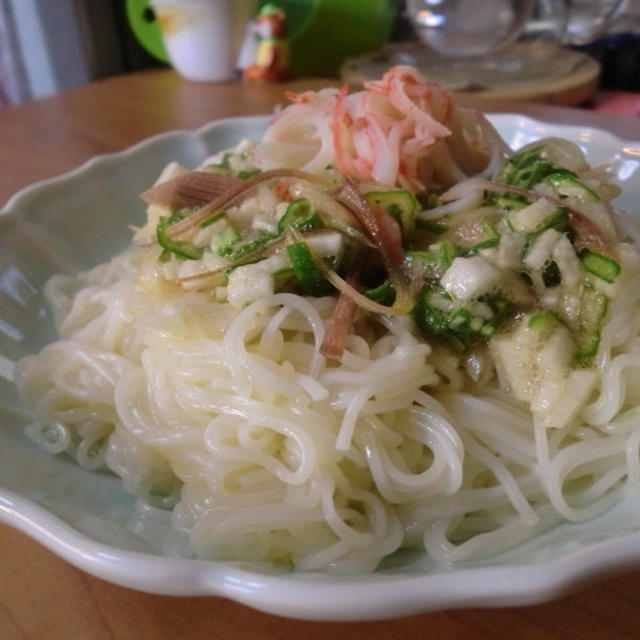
point(263, 448)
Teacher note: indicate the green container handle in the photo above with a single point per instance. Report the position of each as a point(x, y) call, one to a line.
point(145, 27)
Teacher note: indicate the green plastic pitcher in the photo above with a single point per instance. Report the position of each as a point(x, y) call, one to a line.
point(321, 33)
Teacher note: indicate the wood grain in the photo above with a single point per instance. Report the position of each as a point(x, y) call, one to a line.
point(49, 136)
point(43, 597)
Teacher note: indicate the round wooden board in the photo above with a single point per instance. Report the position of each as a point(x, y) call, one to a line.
point(577, 85)
point(573, 89)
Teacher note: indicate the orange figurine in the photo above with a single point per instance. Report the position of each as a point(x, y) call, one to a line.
point(272, 56)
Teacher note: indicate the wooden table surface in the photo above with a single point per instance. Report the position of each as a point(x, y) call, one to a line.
point(42, 596)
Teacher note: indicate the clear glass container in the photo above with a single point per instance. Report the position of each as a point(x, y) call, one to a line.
point(471, 29)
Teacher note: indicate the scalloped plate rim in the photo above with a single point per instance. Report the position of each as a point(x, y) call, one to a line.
point(364, 597)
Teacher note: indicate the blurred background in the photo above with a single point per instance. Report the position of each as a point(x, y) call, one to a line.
point(50, 45)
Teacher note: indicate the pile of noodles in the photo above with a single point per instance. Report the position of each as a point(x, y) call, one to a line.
point(264, 449)
point(267, 451)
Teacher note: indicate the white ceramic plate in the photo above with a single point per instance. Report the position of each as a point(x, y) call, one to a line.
point(79, 219)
